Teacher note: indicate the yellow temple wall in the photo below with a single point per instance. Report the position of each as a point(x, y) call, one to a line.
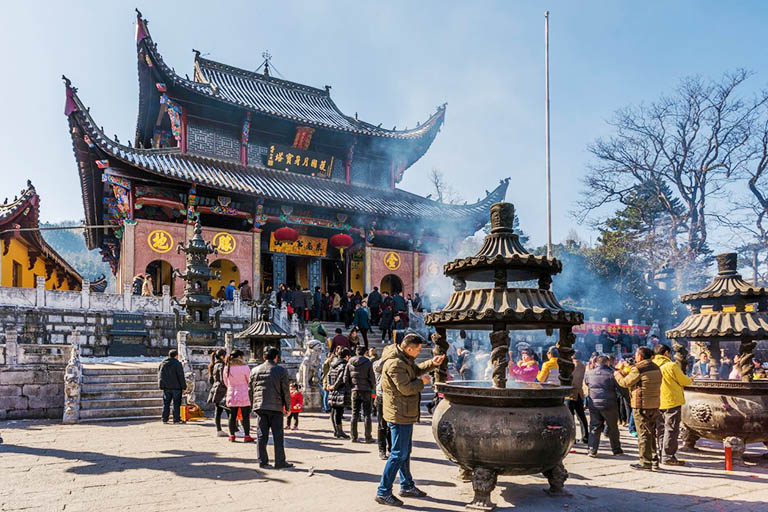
point(18, 251)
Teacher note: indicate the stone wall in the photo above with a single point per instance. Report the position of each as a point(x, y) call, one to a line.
point(31, 391)
point(55, 326)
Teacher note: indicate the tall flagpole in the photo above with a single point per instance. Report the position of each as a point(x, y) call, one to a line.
point(546, 124)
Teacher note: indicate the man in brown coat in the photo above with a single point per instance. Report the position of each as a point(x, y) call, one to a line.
point(402, 381)
point(644, 384)
point(575, 401)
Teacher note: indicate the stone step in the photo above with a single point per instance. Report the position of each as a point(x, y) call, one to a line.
point(103, 371)
point(150, 417)
point(121, 413)
point(120, 403)
point(110, 386)
point(103, 394)
point(100, 379)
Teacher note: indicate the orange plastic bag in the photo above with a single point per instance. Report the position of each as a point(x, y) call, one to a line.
point(191, 413)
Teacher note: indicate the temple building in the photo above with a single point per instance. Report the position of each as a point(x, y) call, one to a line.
point(25, 254)
point(288, 188)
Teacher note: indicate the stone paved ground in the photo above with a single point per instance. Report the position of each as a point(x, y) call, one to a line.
point(150, 466)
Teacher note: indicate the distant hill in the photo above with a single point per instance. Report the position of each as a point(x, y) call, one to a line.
point(70, 244)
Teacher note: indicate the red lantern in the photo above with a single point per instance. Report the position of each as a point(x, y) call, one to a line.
point(341, 241)
point(286, 234)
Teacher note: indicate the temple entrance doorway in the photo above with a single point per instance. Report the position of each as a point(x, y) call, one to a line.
point(333, 279)
point(229, 272)
point(161, 273)
point(297, 272)
point(391, 283)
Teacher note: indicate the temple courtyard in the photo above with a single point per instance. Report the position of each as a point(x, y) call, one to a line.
point(151, 466)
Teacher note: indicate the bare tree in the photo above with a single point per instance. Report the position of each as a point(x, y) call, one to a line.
point(684, 147)
point(443, 191)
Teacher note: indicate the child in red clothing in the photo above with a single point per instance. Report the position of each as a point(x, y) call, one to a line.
point(297, 406)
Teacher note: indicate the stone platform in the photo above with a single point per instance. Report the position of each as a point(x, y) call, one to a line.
point(134, 466)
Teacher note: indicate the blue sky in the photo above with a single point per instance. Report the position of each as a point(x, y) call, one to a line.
point(393, 63)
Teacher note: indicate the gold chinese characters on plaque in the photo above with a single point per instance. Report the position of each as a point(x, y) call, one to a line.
point(305, 246)
point(224, 243)
point(160, 241)
point(392, 260)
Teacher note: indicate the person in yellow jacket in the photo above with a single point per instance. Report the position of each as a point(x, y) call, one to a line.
point(673, 380)
point(550, 372)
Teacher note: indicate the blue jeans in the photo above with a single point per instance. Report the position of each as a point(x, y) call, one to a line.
point(326, 408)
point(631, 423)
point(399, 460)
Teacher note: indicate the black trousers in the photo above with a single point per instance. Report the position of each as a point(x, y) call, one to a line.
point(374, 315)
point(364, 332)
point(577, 407)
point(219, 410)
point(293, 416)
point(246, 413)
point(384, 437)
point(337, 415)
point(361, 402)
point(604, 419)
point(271, 420)
point(172, 395)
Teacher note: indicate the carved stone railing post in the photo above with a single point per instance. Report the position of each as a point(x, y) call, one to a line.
point(40, 291)
point(236, 303)
point(228, 342)
point(127, 296)
point(166, 298)
point(85, 294)
point(294, 323)
point(11, 347)
point(189, 375)
point(73, 376)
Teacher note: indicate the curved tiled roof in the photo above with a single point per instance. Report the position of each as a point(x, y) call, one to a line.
point(534, 307)
point(722, 325)
point(273, 96)
point(261, 181)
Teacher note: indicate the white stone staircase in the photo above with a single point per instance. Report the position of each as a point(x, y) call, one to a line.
point(120, 392)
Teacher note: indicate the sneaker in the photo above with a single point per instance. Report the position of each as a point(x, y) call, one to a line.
point(369, 440)
point(284, 465)
point(355, 440)
point(266, 465)
point(592, 454)
point(165, 422)
point(179, 422)
point(383, 455)
point(248, 439)
point(295, 427)
point(641, 467)
point(674, 461)
point(389, 500)
point(342, 435)
point(413, 492)
point(221, 433)
point(620, 452)
point(232, 439)
point(655, 466)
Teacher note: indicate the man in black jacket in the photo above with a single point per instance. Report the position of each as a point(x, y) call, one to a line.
point(359, 377)
point(170, 379)
point(374, 304)
point(602, 401)
point(270, 394)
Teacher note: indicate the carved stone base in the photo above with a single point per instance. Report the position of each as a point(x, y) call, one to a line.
point(483, 483)
point(737, 448)
point(556, 477)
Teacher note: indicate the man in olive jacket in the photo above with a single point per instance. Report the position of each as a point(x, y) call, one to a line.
point(402, 381)
point(673, 380)
point(270, 395)
point(644, 383)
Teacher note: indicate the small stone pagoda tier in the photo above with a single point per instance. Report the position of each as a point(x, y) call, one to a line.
point(261, 334)
point(729, 309)
point(197, 301)
point(498, 308)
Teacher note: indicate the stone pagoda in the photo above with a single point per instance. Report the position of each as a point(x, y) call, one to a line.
point(197, 301)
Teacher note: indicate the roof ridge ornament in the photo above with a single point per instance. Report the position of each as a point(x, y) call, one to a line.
point(141, 27)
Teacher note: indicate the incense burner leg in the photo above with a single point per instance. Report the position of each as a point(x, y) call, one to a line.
point(556, 477)
point(483, 483)
point(689, 438)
